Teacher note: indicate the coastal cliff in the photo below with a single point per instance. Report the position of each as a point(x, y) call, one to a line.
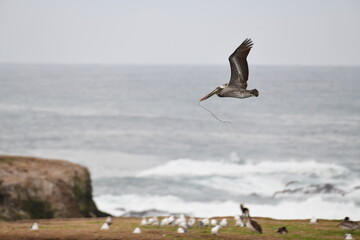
point(40, 188)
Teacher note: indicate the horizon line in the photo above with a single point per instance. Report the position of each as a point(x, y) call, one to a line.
point(170, 64)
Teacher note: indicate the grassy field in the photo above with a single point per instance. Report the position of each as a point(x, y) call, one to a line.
point(89, 228)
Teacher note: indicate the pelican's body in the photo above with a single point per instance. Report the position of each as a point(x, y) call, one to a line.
point(251, 224)
point(349, 225)
point(236, 88)
point(282, 230)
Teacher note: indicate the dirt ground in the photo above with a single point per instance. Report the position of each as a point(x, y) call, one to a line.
point(89, 229)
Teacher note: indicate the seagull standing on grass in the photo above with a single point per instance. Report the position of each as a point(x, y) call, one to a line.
point(313, 220)
point(215, 230)
point(105, 226)
point(204, 222)
point(34, 227)
point(165, 221)
point(348, 236)
point(137, 230)
point(181, 230)
point(223, 222)
point(238, 221)
point(213, 222)
point(191, 222)
point(143, 222)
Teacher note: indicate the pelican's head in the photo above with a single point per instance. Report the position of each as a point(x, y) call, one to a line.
point(217, 90)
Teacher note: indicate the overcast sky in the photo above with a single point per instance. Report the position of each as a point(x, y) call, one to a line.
point(306, 32)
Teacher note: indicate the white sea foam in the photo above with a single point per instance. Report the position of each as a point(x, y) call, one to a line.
point(189, 167)
point(263, 178)
point(240, 180)
point(314, 206)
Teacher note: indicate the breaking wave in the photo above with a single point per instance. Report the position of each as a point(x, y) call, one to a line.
point(288, 190)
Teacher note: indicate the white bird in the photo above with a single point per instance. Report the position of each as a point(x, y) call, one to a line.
point(105, 226)
point(205, 221)
point(181, 230)
point(155, 221)
point(213, 222)
point(191, 222)
point(171, 219)
point(313, 220)
point(165, 221)
point(183, 224)
point(34, 227)
point(215, 230)
point(108, 220)
point(239, 223)
point(143, 222)
point(223, 222)
point(177, 221)
point(150, 220)
point(137, 230)
point(236, 218)
point(348, 236)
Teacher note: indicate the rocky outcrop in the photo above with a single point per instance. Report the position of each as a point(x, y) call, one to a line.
point(40, 188)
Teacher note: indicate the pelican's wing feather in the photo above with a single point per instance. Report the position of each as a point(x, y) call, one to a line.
point(256, 226)
point(239, 66)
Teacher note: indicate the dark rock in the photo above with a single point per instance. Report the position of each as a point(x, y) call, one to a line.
point(40, 188)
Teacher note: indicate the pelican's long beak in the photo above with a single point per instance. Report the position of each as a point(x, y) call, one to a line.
point(215, 91)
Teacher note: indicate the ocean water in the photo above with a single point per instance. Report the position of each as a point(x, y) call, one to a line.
point(293, 152)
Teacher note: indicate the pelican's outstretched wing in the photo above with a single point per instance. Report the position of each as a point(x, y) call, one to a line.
point(239, 66)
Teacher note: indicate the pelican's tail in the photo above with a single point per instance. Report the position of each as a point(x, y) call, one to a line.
point(254, 92)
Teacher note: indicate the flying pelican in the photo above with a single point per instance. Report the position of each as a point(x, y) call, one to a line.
point(236, 88)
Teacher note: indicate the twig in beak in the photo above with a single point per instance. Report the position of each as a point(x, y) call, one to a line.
point(213, 114)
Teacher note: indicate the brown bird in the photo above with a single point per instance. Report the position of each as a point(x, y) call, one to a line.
point(251, 224)
point(349, 225)
point(282, 230)
point(236, 88)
